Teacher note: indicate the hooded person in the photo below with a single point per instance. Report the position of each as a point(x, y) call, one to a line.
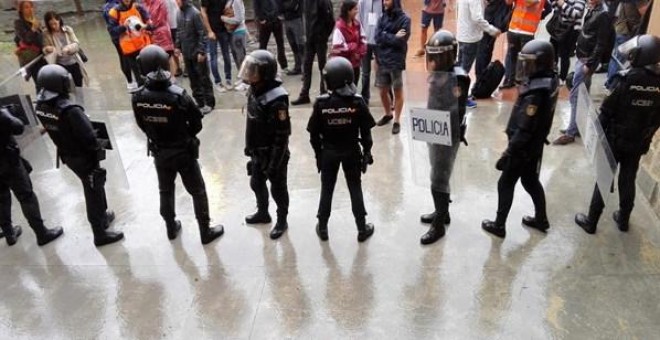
point(392, 34)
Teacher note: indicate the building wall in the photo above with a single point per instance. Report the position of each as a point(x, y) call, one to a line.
point(649, 177)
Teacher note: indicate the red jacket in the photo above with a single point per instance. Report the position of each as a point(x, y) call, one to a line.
point(349, 42)
point(161, 34)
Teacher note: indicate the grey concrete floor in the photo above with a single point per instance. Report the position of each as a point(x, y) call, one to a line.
point(564, 284)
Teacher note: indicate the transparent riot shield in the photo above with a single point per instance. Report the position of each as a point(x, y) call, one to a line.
point(98, 106)
point(597, 149)
point(18, 96)
point(433, 127)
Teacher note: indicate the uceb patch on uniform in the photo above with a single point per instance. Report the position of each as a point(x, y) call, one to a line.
point(531, 110)
point(282, 114)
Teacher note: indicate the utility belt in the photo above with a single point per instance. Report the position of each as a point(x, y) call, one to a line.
point(98, 155)
point(191, 145)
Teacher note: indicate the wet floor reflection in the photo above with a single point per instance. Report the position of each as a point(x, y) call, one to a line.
point(349, 297)
point(290, 301)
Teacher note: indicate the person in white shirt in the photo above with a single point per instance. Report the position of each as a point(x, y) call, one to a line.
point(470, 28)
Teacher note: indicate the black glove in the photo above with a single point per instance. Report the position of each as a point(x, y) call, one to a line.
point(248, 167)
point(367, 159)
point(463, 131)
point(318, 162)
point(503, 163)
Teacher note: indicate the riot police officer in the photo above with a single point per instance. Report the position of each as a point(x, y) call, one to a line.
point(267, 133)
point(448, 89)
point(171, 121)
point(77, 146)
point(339, 124)
point(630, 116)
point(14, 175)
point(528, 127)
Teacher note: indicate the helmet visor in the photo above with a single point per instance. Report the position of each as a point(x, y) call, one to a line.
point(627, 50)
point(440, 58)
point(525, 67)
point(249, 71)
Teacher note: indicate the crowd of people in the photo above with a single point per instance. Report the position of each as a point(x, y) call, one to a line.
point(150, 53)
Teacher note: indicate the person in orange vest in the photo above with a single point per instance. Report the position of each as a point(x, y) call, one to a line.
point(131, 22)
point(524, 21)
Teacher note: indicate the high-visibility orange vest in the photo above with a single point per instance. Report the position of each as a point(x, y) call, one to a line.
point(526, 16)
point(130, 42)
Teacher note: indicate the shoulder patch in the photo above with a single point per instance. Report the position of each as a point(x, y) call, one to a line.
point(457, 91)
point(531, 110)
point(282, 114)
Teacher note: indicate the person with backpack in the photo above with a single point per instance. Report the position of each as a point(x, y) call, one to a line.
point(563, 28)
point(234, 19)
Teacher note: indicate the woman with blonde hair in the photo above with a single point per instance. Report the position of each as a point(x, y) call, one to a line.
point(61, 47)
point(28, 39)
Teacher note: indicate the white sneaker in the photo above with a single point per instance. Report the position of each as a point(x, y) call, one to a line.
point(241, 87)
point(220, 88)
point(131, 86)
point(205, 109)
point(229, 86)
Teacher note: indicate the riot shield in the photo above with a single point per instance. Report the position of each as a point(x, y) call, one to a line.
point(17, 95)
point(598, 151)
point(100, 110)
point(433, 127)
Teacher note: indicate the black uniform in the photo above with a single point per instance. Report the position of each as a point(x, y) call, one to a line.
point(448, 92)
point(267, 144)
point(630, 116)
point(528, 127)
point(171, 120)
point(77, 146)
point(337, 127)
point(14, 176)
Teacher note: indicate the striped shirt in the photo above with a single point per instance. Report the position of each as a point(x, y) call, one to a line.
point(571, 11)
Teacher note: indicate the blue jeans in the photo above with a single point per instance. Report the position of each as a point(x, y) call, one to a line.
point(613, 66)
point(516, 42)
point(366, 73)
point(578, 78)
point(222, 38)
point(467, 53)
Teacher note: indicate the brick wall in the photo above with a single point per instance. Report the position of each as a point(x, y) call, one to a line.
point(649, 177)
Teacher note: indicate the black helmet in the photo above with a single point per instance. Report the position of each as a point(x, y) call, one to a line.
point(337, 73)
point(53, 80)
point(537, 58)
point(259, 66)
point(642, 50)
point(441, 51)
point(154, 63)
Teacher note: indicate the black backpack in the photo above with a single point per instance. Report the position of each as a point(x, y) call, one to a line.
point(488, 80)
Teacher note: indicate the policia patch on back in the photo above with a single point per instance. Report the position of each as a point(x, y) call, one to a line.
point(531, 110)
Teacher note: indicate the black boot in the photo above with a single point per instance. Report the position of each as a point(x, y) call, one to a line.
point(322, 229)
point(492, 227)
point(365, 230)
point(538, 225)
point(279, 228)
point(585, 223)
point(440, 203)
point(12, 233)
point(621, 220)
point(261, 216)
point(103, 236)
point(173, 228)
point(46, 236)
point(301, 100)
point(437, 230)
point(209, 234)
